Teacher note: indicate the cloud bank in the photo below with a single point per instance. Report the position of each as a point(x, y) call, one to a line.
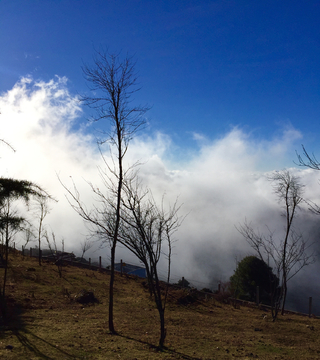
point(221, 183)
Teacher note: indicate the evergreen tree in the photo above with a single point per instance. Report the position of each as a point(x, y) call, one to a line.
point(250, 273)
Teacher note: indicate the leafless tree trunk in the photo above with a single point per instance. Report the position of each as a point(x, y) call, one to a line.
point(290, 254)
point(43, 210)
point(112, 82)
point(289, 191)
point(55, 252)
point(146, 230)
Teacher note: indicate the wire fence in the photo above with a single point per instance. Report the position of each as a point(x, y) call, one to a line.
point(220, 293)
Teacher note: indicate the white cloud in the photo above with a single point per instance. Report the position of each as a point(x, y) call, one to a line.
point(222, 183)
point(36, 119)
point(198, 137)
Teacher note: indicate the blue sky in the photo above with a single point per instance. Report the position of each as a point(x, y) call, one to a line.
point(204, 66)
point(234, 90)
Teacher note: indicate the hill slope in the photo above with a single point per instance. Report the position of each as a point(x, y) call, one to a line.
point(46, 321)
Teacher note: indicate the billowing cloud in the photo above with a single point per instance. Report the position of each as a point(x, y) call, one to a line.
point(37, 120)
point(221, 184)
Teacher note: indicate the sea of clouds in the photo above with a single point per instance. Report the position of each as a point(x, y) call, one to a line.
point(221, 183)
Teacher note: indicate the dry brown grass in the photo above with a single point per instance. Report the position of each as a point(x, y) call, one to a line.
point(47, 323)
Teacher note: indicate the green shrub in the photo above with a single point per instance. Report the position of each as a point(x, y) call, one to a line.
point(250, 273)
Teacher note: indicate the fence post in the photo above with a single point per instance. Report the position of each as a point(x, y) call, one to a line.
point(121, 267)
point(182, 282)
point(22, 250)
point(14, 246)
point(219, 288)
point(30, 252)
point(257, 296)
point(99, 262)
point(310, 306)
point(90, 263)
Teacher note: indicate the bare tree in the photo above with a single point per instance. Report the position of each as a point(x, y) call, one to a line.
point(28, 235)
point(146, 230)
point(113, 82)
point(289, 254)
point(43, 210)
point(56, 255)
point(85, 246)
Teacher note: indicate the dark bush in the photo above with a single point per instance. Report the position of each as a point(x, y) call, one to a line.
point(184, 283)
point(86, 297)
point(250, 273)
point(188, 298)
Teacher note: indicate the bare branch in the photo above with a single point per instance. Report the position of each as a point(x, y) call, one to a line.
point(289, 254)
point(310, 162)
point(147, 231)
point(115, 81)
point(112, 82)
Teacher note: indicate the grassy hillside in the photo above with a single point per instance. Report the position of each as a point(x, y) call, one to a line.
point(46, 322)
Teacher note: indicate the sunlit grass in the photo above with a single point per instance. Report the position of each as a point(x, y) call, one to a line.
point(47, 323)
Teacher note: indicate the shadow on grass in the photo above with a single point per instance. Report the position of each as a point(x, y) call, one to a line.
point(156, 348)
point(27, 343)
point(15, 325)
